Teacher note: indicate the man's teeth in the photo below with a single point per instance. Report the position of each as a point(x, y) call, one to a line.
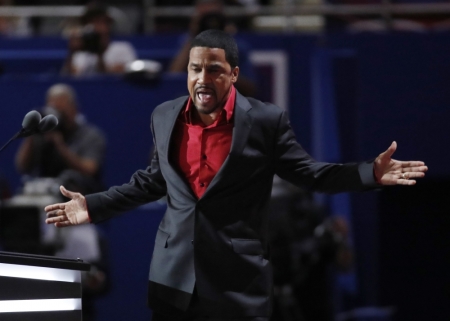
point(204, 95)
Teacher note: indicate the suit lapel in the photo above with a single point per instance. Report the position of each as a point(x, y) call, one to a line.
point(169, 123)
point(241, 129)
point(242, 124)
point(170, 119)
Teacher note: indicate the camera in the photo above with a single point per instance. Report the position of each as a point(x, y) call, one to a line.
point(90, 39)
point(213, 20)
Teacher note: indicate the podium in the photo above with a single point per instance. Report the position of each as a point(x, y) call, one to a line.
point(40, 288)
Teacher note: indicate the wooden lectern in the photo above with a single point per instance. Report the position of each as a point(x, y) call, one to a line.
point(40, 288)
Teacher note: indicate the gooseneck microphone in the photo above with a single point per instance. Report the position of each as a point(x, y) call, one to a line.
point(29, 124)
point(31, 120)
point(47, 123)
point(32, 124)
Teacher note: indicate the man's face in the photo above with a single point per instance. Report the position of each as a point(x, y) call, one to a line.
point(101, 25)
point(210, 78)
point(208, 7)
point(62, 104)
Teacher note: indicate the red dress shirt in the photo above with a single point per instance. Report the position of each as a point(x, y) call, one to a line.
point(201, 150)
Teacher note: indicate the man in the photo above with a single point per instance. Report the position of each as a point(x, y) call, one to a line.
point(91, 50)
point(215, 156)
point(73, 153)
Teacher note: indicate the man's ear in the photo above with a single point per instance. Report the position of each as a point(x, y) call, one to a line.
point(234, 74)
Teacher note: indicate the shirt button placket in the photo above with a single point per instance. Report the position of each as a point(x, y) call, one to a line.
point(202, 160)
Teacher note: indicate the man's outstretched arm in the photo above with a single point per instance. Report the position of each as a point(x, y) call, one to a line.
point(296, 166)
point(145, 186)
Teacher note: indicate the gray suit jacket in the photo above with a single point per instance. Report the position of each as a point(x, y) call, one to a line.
point(218, 243)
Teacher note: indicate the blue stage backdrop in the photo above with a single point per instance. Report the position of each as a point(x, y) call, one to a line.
point(385, 87)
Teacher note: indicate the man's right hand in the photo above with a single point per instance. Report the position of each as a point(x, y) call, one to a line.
point(70, 213)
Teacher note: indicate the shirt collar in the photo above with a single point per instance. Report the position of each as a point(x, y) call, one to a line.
point(227, 111)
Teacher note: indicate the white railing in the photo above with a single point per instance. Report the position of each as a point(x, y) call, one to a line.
point(290, 14)
point(313, 9)
point(57, 11)
point(385, 9)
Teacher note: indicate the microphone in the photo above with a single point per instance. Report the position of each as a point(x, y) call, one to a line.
point(47, 123)
point(32, 124)
point(29, 124)
point(31, 120)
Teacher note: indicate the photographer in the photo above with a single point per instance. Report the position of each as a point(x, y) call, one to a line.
point(209, 15)
point(91, 50)
point(73, 153)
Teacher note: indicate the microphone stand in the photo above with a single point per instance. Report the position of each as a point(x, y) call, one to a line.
point(22, 133)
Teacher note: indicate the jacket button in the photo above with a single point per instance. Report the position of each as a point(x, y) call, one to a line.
point(202, 184)
point(192, 241)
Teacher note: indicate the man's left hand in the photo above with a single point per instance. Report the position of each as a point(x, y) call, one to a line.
point(389, 171)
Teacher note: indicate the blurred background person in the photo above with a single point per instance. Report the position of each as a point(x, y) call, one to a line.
point(73, 153)
point(179, 23)
point(13, 26)
point(91, 49)
point(209, 15)
point(306, 247)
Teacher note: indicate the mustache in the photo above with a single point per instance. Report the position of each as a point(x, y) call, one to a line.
point(204, 87)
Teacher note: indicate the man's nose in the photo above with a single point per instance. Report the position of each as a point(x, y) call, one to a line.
point(203, 77)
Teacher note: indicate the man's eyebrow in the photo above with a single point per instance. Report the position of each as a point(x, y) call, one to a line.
point(215, 65)
point(212, 65)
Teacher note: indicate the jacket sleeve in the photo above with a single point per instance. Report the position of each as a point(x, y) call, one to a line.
point(295, 165)
point(145, 186)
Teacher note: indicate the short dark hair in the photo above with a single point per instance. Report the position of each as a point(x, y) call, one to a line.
point(213, 38)
point(95, 10)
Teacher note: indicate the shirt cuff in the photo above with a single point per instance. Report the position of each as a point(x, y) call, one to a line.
point(367, 176)
point(375, 176)
point(89, 216)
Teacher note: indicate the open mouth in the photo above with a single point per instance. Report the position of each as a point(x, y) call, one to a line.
point(204, 95)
